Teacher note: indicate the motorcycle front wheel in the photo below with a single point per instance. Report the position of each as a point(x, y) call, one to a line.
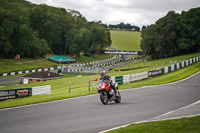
point(118, 97)
point(104, 98)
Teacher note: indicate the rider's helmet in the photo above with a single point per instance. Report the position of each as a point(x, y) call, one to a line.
point(102, 73)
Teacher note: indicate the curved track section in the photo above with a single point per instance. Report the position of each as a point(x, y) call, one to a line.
point(88, 115)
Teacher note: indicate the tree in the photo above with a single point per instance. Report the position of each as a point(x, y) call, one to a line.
point(50, 23)
point(144, 27)
point(167, 29)
point(81, 42)
point(160, 40)
point(76, 22)
point(189, 40)
point(17, 36)
point(109, 38)
point(6, 27)
point(123, 26)
point(100, 39)
point(148, 41)
point(34, 30)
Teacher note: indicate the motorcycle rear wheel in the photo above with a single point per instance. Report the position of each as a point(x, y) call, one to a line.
point(104, 98)
point(118, 100)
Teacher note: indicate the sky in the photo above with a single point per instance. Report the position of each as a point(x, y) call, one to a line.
point(134, 12)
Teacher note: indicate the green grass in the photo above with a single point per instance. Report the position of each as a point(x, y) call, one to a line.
point(184, 125)
point(145, 65)
point(84, 59)
point(11, 65)
point(164, 79)
point(126, 40)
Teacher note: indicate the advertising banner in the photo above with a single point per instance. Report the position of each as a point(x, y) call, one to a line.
point(119, 80)
point(23, 92)
point(117, 52)
point(126, 79)
point(122, 52)
point(138, 76)
point(41, 90)
point(7, 94)
point(154, 73)
point(17, 93)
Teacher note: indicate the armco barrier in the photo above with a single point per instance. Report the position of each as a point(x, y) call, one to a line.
point(24, 92)
point(176, 66)
point(130, 78)
point(28, 71)
point(140, 76)
point(144, 75)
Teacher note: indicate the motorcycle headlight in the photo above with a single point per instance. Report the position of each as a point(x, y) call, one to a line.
point(103, 86)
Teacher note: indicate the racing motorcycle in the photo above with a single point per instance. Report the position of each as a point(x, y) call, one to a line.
point(107, 94)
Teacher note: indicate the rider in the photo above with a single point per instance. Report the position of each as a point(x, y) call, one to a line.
point(105, 77)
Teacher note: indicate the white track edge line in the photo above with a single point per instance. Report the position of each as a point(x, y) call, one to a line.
point(149, 120)
point(174, 118)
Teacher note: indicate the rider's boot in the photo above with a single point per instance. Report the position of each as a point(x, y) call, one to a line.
point(115, 91)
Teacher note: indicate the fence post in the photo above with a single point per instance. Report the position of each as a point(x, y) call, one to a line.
point(89, 85)
point(69, 87)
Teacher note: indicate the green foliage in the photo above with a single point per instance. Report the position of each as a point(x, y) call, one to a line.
point(35, 30)
point(100, 37)
point(81, 42)
point(189, 39)
point(17, 36)
point(167, 29)
point(123, 26)
point(172, 35)
point(147, 42)
point(144, 27)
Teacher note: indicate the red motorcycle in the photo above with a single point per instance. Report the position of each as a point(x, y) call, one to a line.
point(107, 94)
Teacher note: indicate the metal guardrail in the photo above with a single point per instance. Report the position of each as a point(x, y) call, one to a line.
point(91, 65)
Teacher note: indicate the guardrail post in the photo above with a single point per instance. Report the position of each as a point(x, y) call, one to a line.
point(89, 85)
point(69, 87)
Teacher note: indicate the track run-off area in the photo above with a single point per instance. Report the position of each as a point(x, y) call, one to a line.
point(88, 115)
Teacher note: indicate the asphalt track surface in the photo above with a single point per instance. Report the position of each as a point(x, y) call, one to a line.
point(9, 80)
point(88, 115)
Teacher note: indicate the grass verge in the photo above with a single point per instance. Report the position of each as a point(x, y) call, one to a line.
point(11, 65)
point(144, 65)
point(184, 125)
point(168, 78)
point(126, 40)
